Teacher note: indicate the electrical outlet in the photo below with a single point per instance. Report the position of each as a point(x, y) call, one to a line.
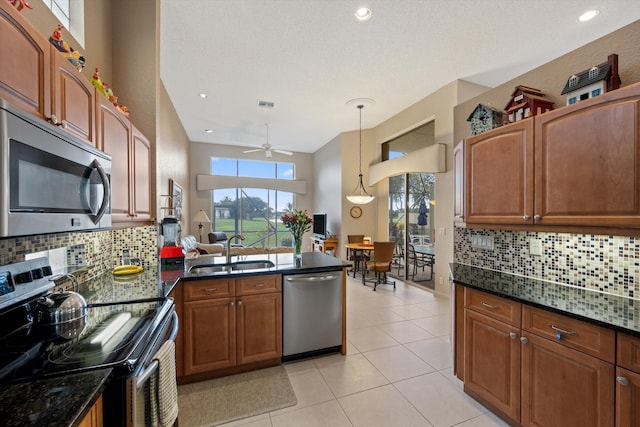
point(535, 247)
point(482, 242)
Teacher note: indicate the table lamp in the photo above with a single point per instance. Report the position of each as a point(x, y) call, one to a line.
point(201, 217)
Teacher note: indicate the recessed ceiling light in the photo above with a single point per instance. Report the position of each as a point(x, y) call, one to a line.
point(202, 95)
point(363, 14)
point(588, 15)
point(208, 130)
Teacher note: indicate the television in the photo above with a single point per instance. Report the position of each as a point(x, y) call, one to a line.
point(320, 225)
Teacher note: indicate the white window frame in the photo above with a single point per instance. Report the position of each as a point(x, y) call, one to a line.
point(74, 21)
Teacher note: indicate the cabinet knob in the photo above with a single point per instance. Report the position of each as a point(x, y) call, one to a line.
point(239, 302)
point(524, 340)
point(537, 217)
point(62, 124)
point(232, 303)
point(526, 217)
point(53, 120)
point(513, 335)
point(622, 380)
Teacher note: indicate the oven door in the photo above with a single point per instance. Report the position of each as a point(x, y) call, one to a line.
point(149, 387)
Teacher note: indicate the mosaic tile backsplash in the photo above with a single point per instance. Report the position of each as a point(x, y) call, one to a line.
point(609, 264)
point(101, 250)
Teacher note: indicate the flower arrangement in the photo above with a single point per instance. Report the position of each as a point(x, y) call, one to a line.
point(297, 222)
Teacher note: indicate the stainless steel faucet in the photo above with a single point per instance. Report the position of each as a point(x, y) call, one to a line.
point(239, 236)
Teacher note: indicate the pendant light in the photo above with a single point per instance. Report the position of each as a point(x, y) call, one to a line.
point(360, 195)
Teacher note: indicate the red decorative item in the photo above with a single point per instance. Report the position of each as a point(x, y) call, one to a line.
point(20, 4)
point(526, 102)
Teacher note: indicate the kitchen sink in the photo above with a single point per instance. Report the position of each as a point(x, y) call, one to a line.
point(235, 266)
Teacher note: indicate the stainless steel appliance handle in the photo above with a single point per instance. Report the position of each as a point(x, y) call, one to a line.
point(311, 278)
point(106, 194)
point(144, 376)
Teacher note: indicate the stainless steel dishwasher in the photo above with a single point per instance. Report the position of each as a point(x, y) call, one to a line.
point(312, 314)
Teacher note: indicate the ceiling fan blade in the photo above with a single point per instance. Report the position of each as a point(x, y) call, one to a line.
point(252, 151)
point(288, 153)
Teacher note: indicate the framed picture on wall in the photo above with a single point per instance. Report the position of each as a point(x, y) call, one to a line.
point(175, 199)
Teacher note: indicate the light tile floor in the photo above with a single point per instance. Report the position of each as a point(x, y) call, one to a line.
point(397, 372)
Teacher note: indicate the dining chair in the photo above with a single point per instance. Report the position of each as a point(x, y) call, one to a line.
point(355, 255)
point(380, 264)
point(418, 261)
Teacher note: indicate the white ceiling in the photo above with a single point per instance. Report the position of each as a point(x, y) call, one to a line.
point(311, 56)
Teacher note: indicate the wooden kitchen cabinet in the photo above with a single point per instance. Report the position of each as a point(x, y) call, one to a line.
point(72, 101)
point(628, 381)
point(94, 418)
point(492, 351)
point(131, 174)
point(25, 70)
point(231, 322)
point(458, 184)
point(499, 175)
point(578, 165)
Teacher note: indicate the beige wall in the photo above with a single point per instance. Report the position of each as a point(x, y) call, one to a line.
point(327, 165)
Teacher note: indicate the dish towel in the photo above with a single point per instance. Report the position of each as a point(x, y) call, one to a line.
point(163, 389)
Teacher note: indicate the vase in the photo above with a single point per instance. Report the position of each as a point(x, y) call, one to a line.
point(297, 247)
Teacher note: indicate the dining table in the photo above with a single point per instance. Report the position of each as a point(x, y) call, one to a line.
point(359, 250)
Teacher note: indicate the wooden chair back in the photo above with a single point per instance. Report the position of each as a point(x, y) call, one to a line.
point(355, 238)
point(383, 254)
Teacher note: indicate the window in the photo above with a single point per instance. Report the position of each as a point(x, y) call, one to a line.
point(254, 212)
point(573, 81)
point(573, 100)
point(596, 92)
point(593, 73)
point(70, 13)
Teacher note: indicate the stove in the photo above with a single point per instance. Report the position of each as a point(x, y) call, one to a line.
point(123, 335)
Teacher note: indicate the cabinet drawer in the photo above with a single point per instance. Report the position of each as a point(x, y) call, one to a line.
point(205, 289)
point(493, 306)
point(259, 284)
point(628, 353)
point(576, 334)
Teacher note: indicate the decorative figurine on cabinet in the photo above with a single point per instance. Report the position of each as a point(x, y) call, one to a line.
point(484, 118)
point(525, 102)
point(20, 4)
point(67, 51)
point(592, 82)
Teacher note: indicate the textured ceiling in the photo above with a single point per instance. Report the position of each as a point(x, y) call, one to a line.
point(310, 57)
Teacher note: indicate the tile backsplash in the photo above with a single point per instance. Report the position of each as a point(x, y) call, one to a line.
point(608, 264)
point(99, 249)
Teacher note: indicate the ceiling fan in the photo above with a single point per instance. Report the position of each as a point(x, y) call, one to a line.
point(268, 148)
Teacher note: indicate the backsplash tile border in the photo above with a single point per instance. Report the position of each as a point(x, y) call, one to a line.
point(609, 264)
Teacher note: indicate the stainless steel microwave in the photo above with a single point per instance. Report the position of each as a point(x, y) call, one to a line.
point(52, 182)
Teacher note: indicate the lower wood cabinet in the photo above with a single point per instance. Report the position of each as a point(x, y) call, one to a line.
point(628, 381)
point(94, 417)
point(231, 322)
point(538, 368)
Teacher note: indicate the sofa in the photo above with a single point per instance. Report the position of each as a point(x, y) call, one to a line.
point(194, 249)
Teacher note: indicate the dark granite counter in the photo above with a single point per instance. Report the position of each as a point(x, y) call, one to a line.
point(58, 401)
point(614, 312)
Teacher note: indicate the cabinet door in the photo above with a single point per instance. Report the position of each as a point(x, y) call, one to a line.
point(588, 162)
point(209, 335)
point(627, 398)
point(142, 177)
point(94, 417)
point(492, 362)
point(259, 327)
point(499, 175)
point(73, 104)
point(563, 387)
point(177, 295)
point(458, 183)
point(113, 138)
point(25, 66)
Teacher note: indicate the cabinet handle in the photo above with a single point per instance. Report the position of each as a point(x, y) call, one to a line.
point(232, 303)
point(62, 124)
point(560, 332)
point(537, 217)
point(493, 307)
point(526, 217)
point(622, 380)
point(209, 290)
point(239, 302)
point(259, 285)
point(513, 335)
point(524, 340)
point(53, 120)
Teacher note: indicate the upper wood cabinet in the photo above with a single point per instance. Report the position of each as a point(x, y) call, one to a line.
point(499, 175)
point(575, 166)
point(141, 163)
point(72, 101)
point(26, 63)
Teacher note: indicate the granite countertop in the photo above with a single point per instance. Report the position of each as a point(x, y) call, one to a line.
point(611, 311)
point(56, 401)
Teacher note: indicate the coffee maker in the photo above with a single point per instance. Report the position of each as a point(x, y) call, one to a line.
point(171, 254)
